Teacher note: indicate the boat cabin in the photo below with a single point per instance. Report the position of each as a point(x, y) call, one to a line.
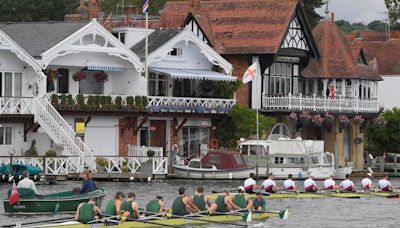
point(219, 160)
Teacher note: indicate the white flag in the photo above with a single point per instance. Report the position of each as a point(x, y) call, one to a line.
point(250, 73)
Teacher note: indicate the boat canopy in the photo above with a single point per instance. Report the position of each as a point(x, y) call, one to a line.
point(223, 160)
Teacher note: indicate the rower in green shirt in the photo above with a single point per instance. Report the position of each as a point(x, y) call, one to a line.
point(223, 203)
point(130, 206)
point(200, 200)
point(113, 206)
point(241, 200)
point(183, 205)
point(156, 206)
point(87, 211)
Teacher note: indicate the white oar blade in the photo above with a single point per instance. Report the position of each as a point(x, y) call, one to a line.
point(248, 219)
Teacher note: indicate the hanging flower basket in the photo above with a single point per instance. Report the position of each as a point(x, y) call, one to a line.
point(304, 118)
point(343, 121)
point(317, 120)
point(101, 76)
point(358, 119)
point(80, 75)
point(380, 121)
point(293, 116)
point(328, 121)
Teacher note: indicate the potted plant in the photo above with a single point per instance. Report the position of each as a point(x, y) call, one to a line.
point(70, 102)
point(317, 120)
point(118, 103)
point(80, 75)
point(63, 101)
point(328, 121)
point(54, 100)
point(147, 166)
point(51, 153)
point(80, 101)
point(304, 117)
point(101, 163)
point(130, 103)
point(125, 167)
point(343, 121)
point(358, 119)
point(101, 77)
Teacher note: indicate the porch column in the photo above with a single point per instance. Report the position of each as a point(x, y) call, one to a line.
point(307, 85)
point(325, 87)
point(343, 87)
point(376, 89)
point(315, 89)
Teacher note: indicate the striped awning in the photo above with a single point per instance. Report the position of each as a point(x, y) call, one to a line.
point(105, 68)
point(193, 74)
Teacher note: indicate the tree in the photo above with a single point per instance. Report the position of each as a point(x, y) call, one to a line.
point(241, 123)
point(394, 10)
point(377, 26)
point(309, 7)
point(344, 26)
point(383, 133)
point(358, 26)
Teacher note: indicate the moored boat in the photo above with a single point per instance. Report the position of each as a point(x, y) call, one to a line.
point(18, 169)
point(215, 165)
point(60, 202)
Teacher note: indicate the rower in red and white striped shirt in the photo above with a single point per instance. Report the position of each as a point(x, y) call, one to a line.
point(310, 185)
point(269, 184)
point(347, 184)
point(250, 184)
point(289, 184)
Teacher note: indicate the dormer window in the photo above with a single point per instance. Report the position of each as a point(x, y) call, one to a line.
point(176, 52)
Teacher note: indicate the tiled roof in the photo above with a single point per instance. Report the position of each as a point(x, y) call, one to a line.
point(387, 53)
point(38, 37)
point(337, 60)
point(236, 26)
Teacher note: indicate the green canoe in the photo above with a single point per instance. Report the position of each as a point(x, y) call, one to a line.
point(61, 202)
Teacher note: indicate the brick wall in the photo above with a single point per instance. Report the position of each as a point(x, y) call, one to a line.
point(127, 135)
point(158, 136)
point(240, 64)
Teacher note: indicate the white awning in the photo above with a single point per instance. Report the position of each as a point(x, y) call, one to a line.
point(106, 68)
point(193, 74)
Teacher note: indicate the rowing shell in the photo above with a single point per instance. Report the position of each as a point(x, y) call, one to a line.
point(319, 195)
point(174, 221)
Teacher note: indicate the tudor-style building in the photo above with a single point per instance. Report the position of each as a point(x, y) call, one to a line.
point(316, 74)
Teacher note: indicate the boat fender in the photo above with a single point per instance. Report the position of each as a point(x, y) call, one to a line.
point(230, 175)
point(10, 178)
point(56, 208)
point(131, 178)
point(149, 179)
point(214, 143)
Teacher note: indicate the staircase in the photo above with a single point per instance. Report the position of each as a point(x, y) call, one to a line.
point(53, 123)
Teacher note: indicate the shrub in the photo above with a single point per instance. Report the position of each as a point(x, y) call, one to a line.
point(118, 102)
point(63, 99)
point(51, 153)
point(151, 153)
point(70, 101)
point(80, 100)
point(145, 101)
point(90, 102)
point(54, 99)
point(101, 162)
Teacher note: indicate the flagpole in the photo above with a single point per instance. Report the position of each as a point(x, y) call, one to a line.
point(258, 147)
point(146, 70)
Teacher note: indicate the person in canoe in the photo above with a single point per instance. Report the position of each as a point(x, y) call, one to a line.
point(156, 206)
point(222, 204)
point(87, 211)
point(241, 201)
point(289, 184)
point(347, 185)
point(329, 184)
point(183, 205)
point(259, 203)
point(88, 184)
point(27, 183)
point(130, 206)
point(250, 184)
point(200, 200)
point(113, 206)
point(385, 185)
point(269, 184)
point(366, 182)
point(310, 185)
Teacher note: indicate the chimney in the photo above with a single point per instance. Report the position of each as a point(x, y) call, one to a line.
point(137, 10)
point(333, 17)
point(93, 9)
point(130, 9)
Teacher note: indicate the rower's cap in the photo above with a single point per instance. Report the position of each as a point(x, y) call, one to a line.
point(369, 174)
point(241, 188)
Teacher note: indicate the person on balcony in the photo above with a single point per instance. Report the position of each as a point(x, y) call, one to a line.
point(88, 184)
point(27, 183)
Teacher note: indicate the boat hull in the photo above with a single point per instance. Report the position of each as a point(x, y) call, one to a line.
point(340, 173)
point(18, 169)
point(49, 204)
point(194, 173)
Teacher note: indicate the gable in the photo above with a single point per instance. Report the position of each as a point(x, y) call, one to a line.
point(192, 25)
point(295, 36)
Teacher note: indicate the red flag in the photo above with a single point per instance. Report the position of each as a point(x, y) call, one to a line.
point(14, 197)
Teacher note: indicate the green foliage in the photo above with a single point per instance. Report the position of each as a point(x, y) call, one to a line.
point(80, 99)
point(344, 26)
point(54, 99)
point(145, 101)
point(151, 153)
point(63, 100)
point(309, 7)
point(91, 102)
point(377, 26)
point(32, 151)
point(394, 11)
point(241, 123)
point(102, 162)
point(51, 153)
point(384, 138)
point(70, 101)
point(225, 89)
point(34, 10)
point(118, 102)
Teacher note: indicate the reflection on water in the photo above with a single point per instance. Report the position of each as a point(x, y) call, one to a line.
point(319, 212)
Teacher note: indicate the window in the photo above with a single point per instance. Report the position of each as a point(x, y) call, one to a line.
point(157, 84)
point(239, 160)
point(90, 85)
point(144, 135)
point(10, 84)
point(176, 52)
point(192, 138)
point(281, 78)
point(295, 37)
point(184, 88)
point(279, 130)
point(5, 135)
point(244, 149)
point(278, 160)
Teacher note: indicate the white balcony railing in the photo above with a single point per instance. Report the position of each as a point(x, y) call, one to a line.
point(320, 104)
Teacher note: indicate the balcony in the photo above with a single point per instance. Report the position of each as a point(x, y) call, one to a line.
point(320, 104)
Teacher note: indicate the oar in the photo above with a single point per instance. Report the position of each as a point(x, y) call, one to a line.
point(42, 221)
point(151, 222)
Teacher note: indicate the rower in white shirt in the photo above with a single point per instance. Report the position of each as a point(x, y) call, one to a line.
point(310, 185)
point(347, 185)
point(329, 184)
point(269, 184)
point(366, 182)
point(289, 184)
point(385, 185)
point(250, 184)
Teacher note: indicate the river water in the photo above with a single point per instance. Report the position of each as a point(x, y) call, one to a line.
point(317, 212)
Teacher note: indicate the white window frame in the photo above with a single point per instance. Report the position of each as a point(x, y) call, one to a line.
point(157, 80)
point(178, 51)
point(281, 74)
point(13, 80)
point(3, 128)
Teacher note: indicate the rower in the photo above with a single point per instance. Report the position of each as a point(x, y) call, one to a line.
point(259, 203)
point(329, 184)
point(27, 183)
point(130, 206)
point(113, 206)
point(269, 184)
point(241, 200)
point(223, 203)
point(200, 200)
point(183, 205)
point(289, 184)
point(385, 185)
point(156, 206)
point(87, 211)
point(250, 184)
point(347, 184)
point(366, 182)
point(310, 185)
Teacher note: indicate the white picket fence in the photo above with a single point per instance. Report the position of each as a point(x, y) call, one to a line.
point(140, 151)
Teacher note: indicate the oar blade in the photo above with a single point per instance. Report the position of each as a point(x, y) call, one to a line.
point(284, 214)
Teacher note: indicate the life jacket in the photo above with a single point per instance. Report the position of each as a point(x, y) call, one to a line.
point(179, 207)
point(198, 200)
point(86, 213)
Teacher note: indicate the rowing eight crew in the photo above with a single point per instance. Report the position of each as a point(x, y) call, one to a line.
point(310, 185)
point(182, 205)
